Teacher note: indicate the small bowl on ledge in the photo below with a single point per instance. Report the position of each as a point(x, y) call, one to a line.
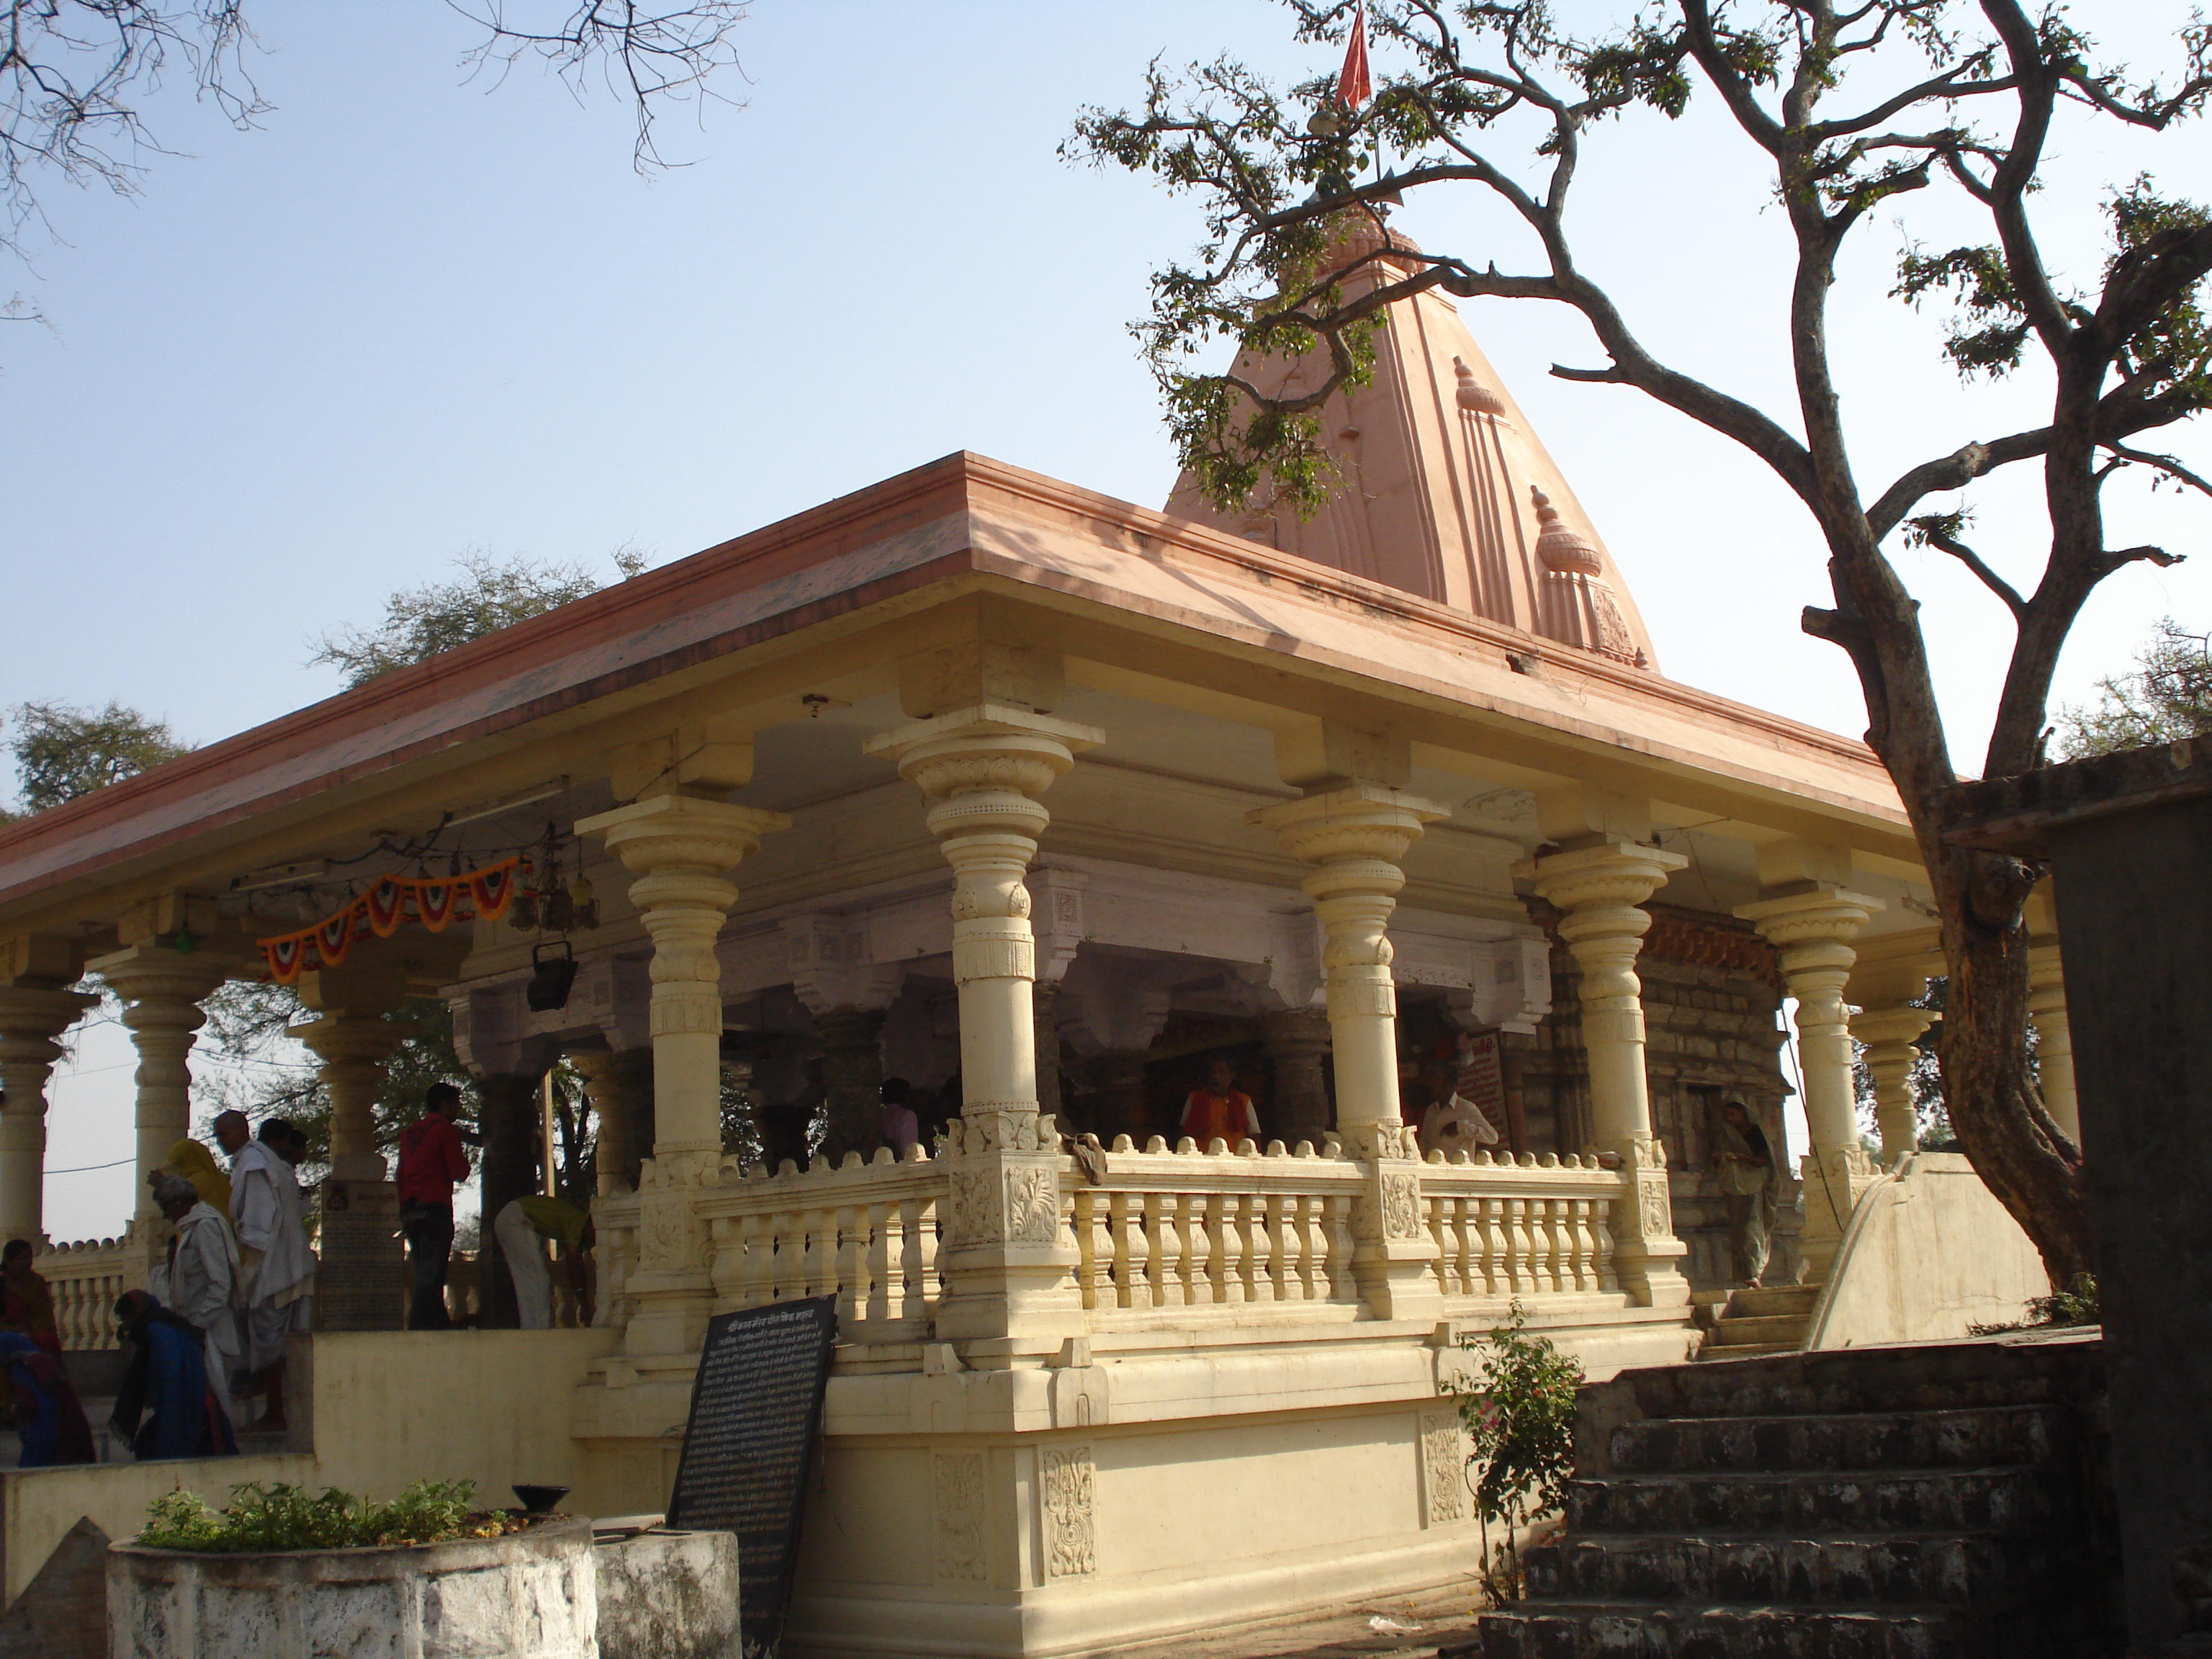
point(539, 1500)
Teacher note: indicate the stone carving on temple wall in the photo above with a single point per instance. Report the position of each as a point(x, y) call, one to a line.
point(1071, 1533)
point(1032, 1206)
point(1444, 1463)
point(959, 1505)
point(1401, 1207)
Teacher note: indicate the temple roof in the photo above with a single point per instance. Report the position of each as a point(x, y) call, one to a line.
point(1445, 491)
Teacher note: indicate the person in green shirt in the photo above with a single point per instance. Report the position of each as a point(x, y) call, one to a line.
point(519, 1228)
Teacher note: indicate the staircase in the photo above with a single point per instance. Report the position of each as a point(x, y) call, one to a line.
point(1925, 1501)
point(1754, 1322)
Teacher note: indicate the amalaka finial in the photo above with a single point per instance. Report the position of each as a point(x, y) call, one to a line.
point(1474, 395)
point(1557, 547)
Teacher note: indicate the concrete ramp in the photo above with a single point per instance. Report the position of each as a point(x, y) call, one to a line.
point(1929, 1253)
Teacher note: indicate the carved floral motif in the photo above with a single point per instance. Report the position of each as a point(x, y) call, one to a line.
point(1032, 1206)
point(1071, 1533)
point(1444, 1461)
point(959, 1513)
point(1401, 1207)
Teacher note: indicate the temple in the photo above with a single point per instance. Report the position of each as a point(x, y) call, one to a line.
point(1041, 802)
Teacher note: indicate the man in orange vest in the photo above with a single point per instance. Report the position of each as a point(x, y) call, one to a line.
point(1220, 1110)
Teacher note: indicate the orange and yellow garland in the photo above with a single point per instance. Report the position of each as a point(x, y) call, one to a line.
point(434, 901)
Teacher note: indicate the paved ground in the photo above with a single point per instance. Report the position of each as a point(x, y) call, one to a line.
point(1374, 1629)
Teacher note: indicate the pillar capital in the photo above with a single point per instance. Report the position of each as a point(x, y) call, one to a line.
point(1822, 915)
point(682, 835)
point(1614, 874)
point(1354, 823)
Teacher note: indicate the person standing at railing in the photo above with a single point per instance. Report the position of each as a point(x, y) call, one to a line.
point(1451, 1122)
point(432, 1162)
point(1220, 1110)
point(27, 1302)
point(895, 1117)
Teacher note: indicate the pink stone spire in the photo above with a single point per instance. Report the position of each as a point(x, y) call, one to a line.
point(1443, 487)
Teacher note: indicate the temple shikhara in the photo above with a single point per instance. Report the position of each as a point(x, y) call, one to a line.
point(1044, 803)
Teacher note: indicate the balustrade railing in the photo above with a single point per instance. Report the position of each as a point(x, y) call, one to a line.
point(865, 1233)
point(1159, 1236)
point(86, 1277)
point(1189, 1229)
point(1506, 1230)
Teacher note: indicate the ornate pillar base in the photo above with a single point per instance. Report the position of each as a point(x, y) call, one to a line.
point(1008, 1280)
point(1392, 1252)
point(1833, 1186)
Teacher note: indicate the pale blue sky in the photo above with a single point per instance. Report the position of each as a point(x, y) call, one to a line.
point(412, 316)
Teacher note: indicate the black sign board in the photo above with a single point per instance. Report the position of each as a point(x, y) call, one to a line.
point(755, 1410)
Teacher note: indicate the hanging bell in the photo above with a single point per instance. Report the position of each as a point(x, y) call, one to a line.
point(586, 902)
point(559, 910)
point(522, 915)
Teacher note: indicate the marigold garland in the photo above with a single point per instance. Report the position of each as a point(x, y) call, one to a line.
point(434, 901)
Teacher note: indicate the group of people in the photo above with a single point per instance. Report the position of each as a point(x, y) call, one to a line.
point(434, 1159)
point(211, 1327)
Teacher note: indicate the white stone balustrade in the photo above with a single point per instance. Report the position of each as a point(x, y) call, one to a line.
point(1218, 1230)
point(865, 1233)
point(1507, 1233)
point(86, 1279)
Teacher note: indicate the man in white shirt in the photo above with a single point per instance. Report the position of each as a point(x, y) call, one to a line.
point(201, 1279)
point(279, 1269)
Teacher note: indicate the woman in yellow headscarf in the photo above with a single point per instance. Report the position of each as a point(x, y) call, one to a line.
point(196, 1165)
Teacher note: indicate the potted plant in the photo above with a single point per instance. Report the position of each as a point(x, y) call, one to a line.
point(282, 1573)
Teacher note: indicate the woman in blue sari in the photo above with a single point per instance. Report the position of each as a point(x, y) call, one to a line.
point(167, 1387)
point(48, 1418)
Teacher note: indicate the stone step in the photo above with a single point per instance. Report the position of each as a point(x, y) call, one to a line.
point(1798, 1299)
point(1597, 1630)
point(1894, 1569)
point(2003, 1500)
point(1977, 1437)
point(1732, 1330)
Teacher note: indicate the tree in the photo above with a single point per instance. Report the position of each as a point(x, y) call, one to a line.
point(74, 73)
point(425, 622)
point(2166, 695)
point(246, 1019)
point(62, 751)
point(1848, 111)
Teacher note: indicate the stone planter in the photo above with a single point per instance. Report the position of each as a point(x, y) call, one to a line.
point(530, 1596)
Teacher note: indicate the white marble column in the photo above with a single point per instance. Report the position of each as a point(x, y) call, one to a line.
point(1889, 1034)
point(1599, 891)
point(1354, 837)
point(1813, 930)
point(677, 849)
point(2054, 1038)
point(161, 988)
point(31, 1019)
point(1005, 1263)
point(352, 1046)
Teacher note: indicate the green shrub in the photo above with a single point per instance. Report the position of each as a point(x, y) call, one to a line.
point(1519, 1417)
point(277, 1515)
point(2075, 1305)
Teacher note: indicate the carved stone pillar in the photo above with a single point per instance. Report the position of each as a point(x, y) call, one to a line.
point(352, 1048)
point(507, 1125)
point(1298, 1041)
point(609, 1119)
point(1599, 891)
point(631, 1070)
point(853, 1079)
point(1006, 1262)
point(676, 848)
point(162, 991)
point(2054, 1036)
point(1353, 835)
point(1812, 930)
point(1889, 1034)
point(31, 1019)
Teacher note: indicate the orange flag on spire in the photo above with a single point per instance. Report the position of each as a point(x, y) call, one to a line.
point(1353, 87)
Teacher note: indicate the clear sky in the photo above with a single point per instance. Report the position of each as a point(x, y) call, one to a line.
point(412, 316)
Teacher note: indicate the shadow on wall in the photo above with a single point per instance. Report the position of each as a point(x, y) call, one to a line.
point(1929, 1252)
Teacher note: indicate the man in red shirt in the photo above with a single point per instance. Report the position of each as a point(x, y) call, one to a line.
point(431, 1161)
point(1220, 1110)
